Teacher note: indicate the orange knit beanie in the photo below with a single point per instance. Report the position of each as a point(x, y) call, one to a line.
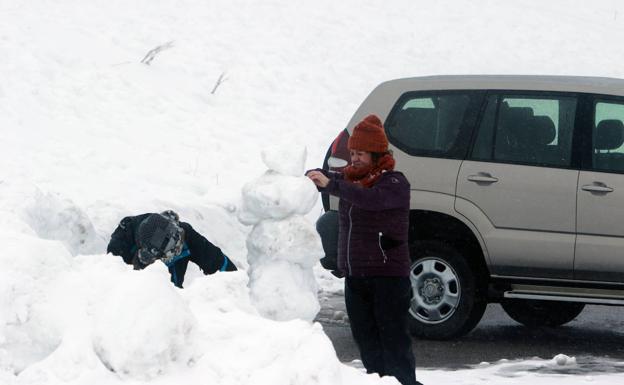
point(368, 135)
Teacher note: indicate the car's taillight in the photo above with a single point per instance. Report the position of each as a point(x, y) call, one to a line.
point(339, 148)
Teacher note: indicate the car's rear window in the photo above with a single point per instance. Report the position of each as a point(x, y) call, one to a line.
point(433, 124)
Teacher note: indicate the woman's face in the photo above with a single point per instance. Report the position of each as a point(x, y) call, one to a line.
point(361, 159)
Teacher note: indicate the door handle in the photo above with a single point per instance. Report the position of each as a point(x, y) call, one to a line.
point(597, 187)
point(482, 177)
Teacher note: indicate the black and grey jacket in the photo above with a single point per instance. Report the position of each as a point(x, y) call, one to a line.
point(198, 249)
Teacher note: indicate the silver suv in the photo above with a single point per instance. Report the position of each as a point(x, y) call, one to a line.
point(517, 195)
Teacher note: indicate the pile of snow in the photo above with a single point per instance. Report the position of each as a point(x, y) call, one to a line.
point(91, 319)
point(71, 317)
point(56, 218)
point(283, 246)
point(536, 371)
point(563, 360)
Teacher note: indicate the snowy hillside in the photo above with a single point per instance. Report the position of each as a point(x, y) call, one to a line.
point(90, 134)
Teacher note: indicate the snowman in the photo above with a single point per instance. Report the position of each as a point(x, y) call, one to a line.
point(283, 246)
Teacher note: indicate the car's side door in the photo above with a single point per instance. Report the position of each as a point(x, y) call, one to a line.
point(600, 207)
point(519, 184)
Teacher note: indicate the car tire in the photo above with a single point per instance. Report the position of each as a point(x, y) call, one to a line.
point(448, 294)
point(534, 313)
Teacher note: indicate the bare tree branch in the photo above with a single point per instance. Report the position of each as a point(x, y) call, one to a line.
point(152, 53)
point(221, 79)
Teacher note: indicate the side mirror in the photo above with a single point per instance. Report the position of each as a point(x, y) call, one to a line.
point(334, 162)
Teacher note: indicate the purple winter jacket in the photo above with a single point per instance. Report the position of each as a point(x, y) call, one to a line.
point(373, 225)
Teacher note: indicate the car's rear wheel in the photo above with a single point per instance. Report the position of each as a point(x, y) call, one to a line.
point(448, 294)
point(534, 313)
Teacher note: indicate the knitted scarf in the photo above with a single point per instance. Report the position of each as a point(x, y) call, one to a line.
point(368, 176)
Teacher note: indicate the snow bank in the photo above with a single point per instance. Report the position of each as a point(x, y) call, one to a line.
point(142, 326)
point(29, 327)
point(537, 371)
point(72, 317)
point(92, 319)
point(54, 217)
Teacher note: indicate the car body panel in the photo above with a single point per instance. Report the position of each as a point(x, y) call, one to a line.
point(428, 174)
point(600, 243)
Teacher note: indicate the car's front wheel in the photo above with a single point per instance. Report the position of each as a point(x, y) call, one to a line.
point(534, 313)
point(448, 294)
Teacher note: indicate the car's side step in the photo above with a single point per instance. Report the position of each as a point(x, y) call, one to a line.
point(566, 294)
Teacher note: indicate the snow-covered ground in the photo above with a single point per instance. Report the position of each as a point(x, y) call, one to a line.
point(90, 134)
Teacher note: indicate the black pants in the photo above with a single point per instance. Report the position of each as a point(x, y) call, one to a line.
point(378, 311)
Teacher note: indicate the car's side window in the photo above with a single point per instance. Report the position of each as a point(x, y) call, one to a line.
point(527, 129)
point(608, 136)
point(433, 124)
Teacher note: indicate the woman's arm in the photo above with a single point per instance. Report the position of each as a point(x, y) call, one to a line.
point(391, 191)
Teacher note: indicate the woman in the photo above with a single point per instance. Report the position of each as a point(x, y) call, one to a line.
point(373, 251)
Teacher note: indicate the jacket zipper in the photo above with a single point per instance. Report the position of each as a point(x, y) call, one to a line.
point(349, 242)
point(385, 259)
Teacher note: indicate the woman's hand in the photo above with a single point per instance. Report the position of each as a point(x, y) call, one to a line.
point(318, 178)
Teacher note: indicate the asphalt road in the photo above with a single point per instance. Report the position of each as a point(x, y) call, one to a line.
point(595, 338)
